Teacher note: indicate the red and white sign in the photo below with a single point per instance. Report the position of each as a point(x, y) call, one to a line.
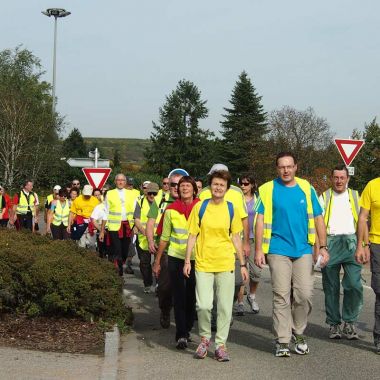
point(348, 149)
point(97, 177)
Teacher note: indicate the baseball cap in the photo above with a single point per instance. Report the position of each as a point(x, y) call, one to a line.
point(146, 183)
point(178, 171)
point(87, 190)
point(57, 188)
point(152, 187)
point(218, 168)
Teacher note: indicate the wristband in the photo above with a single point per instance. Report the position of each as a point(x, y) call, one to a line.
point(243, 265)
point(366, 244)
point(324, 246)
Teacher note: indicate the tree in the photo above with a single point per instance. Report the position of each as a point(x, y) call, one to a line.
point(308, 136)
point(367, 163)
point(243, 129)
point(28, 130)
point(177, 140)
point(74, 145)
point(116, 161)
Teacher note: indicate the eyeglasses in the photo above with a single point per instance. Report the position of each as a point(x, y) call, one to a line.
point(152, 193)
point(245, 184)
point(173, 184)
point(165, 183)
point(76, 183)
point(289, 167)
point(144, 188)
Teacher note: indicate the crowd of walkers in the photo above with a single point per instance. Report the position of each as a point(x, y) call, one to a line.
point(201, 249)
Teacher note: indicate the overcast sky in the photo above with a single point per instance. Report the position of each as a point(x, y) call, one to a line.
point(118, 59)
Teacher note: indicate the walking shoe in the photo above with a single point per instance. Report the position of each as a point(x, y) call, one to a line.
point(350, 331)
point(165, 319)
point(129, 270)
point(181, 343)
point(147, 290)
point(335, 332)
point(221, 354)
point(282, 350)
point(203, 346)
point(252, 302)
point(120, 269)
point(240, 309)
point(300, 345)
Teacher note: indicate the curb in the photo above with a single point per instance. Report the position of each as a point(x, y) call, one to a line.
point(111, 355)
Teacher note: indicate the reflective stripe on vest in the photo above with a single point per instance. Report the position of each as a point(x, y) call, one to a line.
point(115, 208)
point(328, 197)
point(61, 214)
point(266, 196)
point(179, 234)
point(23, 206)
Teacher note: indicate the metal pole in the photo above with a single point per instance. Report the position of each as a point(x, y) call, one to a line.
point(54, 65)
point(96, 157)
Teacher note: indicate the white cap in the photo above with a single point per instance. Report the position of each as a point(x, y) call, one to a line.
point(218, 168)
point(146, 183)
point(57, 187)
point(87, 190)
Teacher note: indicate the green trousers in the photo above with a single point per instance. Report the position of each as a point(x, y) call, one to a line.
point(224, 291)
point(342, 251)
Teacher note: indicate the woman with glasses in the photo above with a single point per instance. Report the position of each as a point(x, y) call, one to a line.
point(58, 217)
point(5, 207)
point(175, 234)
point(248, 186)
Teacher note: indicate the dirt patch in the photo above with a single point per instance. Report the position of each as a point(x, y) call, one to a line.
point(50, 334)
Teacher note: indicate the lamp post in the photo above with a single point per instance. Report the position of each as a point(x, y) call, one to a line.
point(55, 12)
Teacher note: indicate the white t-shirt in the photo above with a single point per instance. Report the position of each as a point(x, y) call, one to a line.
point(341, 220)
point(99, 213)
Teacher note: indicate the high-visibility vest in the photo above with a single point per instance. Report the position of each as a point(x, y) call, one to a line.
point(266, 196)
point(145, 206)
point(328, 197)
point(61, 213)
point(179, 235)
point(49, 199)
point(114, 211)
point(23, 206)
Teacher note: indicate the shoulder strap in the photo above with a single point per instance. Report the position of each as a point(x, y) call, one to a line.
point(231, 212)
point(202, 210)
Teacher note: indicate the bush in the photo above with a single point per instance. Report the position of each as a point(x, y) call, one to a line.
point(44, 277)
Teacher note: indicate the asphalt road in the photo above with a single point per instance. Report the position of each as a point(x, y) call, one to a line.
point(149, 352)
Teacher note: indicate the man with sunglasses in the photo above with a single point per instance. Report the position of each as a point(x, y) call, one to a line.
point(164, 192)
point(76, 184)
point(154, 216)
point(141, 217)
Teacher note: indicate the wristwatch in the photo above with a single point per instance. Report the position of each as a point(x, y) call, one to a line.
point(325, 247)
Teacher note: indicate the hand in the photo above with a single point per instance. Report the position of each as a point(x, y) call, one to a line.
point(187, 269)
point(101, 236)
point(246, 249)
point(48, 230)
point(259, 259)
point(68, 229)
point(156, 268)
point(362, 255)
point(244, 274)
point(325, 257)
point(152, 247)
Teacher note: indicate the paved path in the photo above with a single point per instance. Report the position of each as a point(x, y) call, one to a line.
point(149, 352)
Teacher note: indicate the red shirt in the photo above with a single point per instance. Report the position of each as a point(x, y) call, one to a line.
point(8, 206)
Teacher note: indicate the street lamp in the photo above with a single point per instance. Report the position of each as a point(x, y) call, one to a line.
point(55, 12)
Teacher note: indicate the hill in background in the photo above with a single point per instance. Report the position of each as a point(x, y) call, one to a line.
point(130, 150)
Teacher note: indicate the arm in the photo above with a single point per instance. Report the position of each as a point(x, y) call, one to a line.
point(362, 254)
point(259, 230)
point(236, 241)
point(189, 248)
point(49, 219)
point(150, 235)
point(139, 226)
point(71, 221)
point(246, 247)
point(322, 239)
point(157, 261)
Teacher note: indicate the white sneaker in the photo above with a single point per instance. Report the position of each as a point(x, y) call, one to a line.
point(147, 290)
point(252, 302)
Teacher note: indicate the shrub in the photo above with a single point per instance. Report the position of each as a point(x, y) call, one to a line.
point(40, 276)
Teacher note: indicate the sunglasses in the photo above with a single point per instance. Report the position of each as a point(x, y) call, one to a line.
point(76, 183)
point(152, 193)
point(165, 183)
point(245, 184)
point(173, 184)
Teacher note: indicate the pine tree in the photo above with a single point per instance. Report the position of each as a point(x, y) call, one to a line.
point(74, 145)
point(243, 128)
point(177, 140)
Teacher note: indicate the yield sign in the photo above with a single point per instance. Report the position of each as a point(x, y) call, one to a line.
point(96, 177)
point(348, 149)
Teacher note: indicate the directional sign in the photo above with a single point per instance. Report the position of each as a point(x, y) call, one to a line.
point(96, 177)
point(348, 149)
point(87, 162)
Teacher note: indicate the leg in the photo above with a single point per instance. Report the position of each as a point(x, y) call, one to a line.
point(145, 266)
point(204, 292)
point(254, 278)
point(303, 282)
point(164, 288)
point(375, 284)
point(281, 274)
point(116, 250)
point(190, 299)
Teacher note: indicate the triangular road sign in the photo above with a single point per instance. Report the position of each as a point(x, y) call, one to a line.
point(348, 149)
point(97, 177)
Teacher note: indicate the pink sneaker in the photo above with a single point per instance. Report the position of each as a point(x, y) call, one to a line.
point(221, 354)
point(201, 351)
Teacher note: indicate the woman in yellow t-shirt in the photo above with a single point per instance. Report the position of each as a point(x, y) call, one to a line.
point(214, 228)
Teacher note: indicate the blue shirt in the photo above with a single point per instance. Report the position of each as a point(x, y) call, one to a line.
point(290, 222)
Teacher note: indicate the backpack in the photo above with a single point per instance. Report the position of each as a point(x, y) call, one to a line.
point(203, 209)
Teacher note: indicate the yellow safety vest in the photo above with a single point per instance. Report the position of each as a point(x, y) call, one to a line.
point(328, 197)
point(114, 211)
point(145, 206)
point(23, 206)
point(178, 236)
point(49, 198)
point(266, 196)
point(61, 214)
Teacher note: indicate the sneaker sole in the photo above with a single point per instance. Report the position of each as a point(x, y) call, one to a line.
point(222, 360)
point(282, 355)
point(301, 352)
point(352, 337)
point(335, 337)
point(197, 356)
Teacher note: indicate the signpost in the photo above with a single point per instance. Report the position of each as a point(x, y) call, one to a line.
point(348, 149)
point(96, 177)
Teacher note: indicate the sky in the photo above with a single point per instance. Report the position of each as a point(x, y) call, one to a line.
point(117, 60)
